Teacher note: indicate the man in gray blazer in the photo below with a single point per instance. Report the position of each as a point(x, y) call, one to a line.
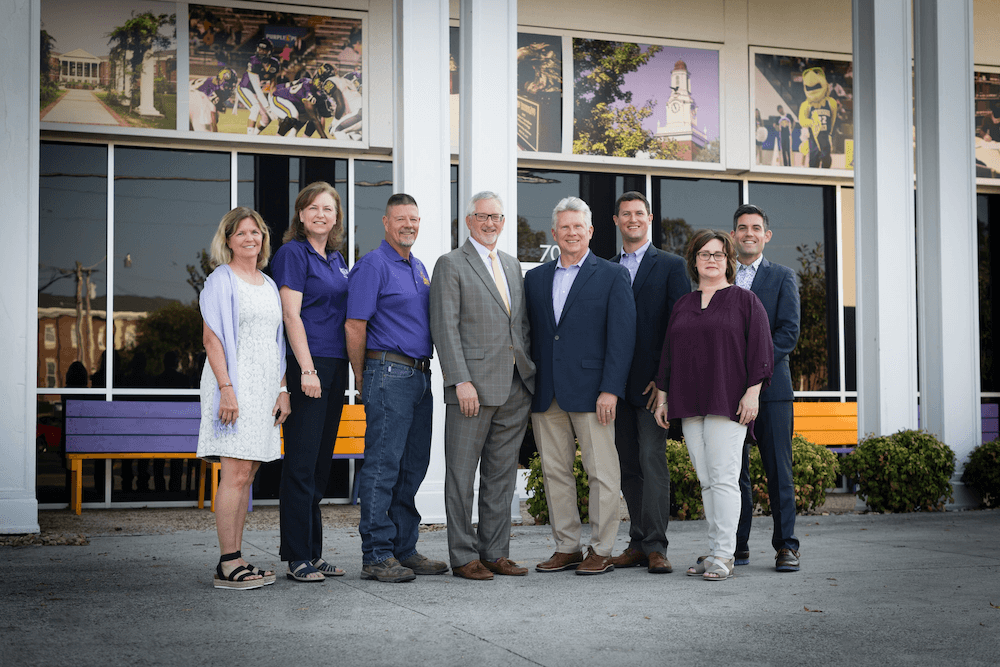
point(479, 325)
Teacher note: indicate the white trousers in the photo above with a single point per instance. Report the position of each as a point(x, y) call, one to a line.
point(715, 445)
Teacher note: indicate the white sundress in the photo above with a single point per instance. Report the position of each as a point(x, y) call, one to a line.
point(257, 368)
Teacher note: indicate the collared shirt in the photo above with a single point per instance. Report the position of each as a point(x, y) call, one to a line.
point(562, 283)
point(484, 253)
point(632, 260)
point(393, 295)
point(323, 285)
point(745, 273)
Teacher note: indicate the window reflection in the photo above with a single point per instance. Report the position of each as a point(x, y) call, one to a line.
point(72, 263)
point(167, 207)
point(683, 205)
point(538, 192)
point(372, 189)
point(988, 219)
point(803, 222)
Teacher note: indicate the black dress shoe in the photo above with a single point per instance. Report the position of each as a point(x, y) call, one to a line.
point(742, 557)
point(786, 560)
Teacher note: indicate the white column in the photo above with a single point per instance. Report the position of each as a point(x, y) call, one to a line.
point(19, 31)
point(488, 99)
point(421, 155)
point(947, 277)
point(146, 89)
point(883, 181)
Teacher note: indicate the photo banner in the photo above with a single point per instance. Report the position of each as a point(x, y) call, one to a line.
point(987, 119)
point(651, 101)
point(254, 72)
point(803, 112)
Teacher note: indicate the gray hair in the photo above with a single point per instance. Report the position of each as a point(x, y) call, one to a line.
point(572, 204)
point(485, 195)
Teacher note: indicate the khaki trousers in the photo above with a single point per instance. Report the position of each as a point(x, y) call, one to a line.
point(557, 433)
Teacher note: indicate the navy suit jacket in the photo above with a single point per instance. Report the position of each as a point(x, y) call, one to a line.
point(591, 349)
point(659, 282)
point(777, 289)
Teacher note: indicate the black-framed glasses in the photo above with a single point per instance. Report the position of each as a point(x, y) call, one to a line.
point(483, 217)
point(717, 256)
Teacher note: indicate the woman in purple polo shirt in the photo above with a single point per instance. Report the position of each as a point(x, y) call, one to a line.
point(717, 356)
point(312, 277)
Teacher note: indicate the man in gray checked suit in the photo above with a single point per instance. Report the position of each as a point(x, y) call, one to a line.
point(479, 325)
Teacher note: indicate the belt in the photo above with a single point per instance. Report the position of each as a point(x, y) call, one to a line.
point(422, 365)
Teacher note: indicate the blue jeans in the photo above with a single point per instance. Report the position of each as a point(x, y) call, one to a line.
point(398, 411)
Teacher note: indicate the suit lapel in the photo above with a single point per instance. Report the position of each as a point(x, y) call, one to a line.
point(476, 262)
point(512, 271)
point(548, 274)
point(645, 267)
point(587, 269)
point(760, 277)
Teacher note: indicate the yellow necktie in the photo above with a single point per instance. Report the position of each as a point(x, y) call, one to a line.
point(496, 278)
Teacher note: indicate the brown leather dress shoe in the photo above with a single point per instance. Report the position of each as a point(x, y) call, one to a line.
point(505, 566)
point(658, 564)
point(473, 570)
point(631, 557)
point(561, 561)
point(595, 564)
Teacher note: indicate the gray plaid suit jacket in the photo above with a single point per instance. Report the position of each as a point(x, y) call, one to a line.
point(476, 340)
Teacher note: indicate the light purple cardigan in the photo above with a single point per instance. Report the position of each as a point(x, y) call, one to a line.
point(220, 306)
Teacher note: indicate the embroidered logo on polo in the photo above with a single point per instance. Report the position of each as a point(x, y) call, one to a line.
point(344, 271)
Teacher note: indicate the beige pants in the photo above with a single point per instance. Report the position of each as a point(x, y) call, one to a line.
point(557, 433)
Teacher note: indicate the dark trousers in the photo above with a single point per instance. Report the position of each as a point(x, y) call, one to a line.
point(642, 454)
point(773, 429)
point(310, 434)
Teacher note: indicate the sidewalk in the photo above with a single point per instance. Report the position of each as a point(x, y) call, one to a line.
point(874, 589)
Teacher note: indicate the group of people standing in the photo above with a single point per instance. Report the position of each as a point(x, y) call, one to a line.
point(599, 353)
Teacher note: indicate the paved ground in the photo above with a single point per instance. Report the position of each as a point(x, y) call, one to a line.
point(80, 106)
point(874, 589)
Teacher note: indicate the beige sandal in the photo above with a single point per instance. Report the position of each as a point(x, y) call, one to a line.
point(717, 569)
point(698, 568)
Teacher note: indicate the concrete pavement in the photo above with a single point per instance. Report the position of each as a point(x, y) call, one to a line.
point(874, 589)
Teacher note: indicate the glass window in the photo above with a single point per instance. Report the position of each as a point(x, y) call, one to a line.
point(538, 192)
point(802, 220)
point(72, 259)
point(849, 278)
point(167, 206)
point(372, 189)
point(683, 205)
point(988, 209)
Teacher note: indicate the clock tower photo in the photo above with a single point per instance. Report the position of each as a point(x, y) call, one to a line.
point(682, 115)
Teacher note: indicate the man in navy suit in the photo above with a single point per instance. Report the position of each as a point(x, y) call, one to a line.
point(582, 336)
point(776, 288)
point(658, 279)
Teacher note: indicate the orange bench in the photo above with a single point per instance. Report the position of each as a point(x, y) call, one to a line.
point(833, 425)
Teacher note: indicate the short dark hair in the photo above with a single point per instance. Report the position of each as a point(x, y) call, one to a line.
point(631, 195)
point(750, 209)
point(399, 199)
point(698, 241)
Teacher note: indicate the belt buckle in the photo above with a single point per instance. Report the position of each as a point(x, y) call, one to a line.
point(422, 365)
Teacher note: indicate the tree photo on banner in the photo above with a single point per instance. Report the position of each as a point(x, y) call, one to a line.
point(114, 67)
point(259, 72)
point(650, 101)
point(987, 143)
point(539, 93)
point(803, 111)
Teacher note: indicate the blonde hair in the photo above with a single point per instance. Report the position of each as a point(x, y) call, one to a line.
point(219, 252)
point(307, 195)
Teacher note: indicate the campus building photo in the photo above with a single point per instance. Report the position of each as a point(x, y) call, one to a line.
point(868, 131)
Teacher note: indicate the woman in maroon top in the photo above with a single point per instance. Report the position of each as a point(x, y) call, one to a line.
point(717, 356)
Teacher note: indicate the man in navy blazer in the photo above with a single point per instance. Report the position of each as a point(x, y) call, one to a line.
point(658, 279)
point(776, 288)
point(582, 319)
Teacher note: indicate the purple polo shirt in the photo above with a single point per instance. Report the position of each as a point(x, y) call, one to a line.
point(710, 357)
point(393, 296)
point(323, 284)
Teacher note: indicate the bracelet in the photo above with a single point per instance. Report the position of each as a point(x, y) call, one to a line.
point(223, 386)
point(661, 405)
point(312, 372)
point(284, 389)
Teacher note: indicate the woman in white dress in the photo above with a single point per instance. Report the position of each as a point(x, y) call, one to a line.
point(244, 399)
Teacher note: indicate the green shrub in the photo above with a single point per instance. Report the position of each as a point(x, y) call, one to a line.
point(982, 472)
point(903, 472)
point(685, 489)
point(538, 506)
point(814, 470)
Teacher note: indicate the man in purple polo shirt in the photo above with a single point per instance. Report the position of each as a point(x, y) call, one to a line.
point(389, 347)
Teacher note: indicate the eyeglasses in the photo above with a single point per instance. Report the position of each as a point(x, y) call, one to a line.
point(717, 256)
point(483, 217)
